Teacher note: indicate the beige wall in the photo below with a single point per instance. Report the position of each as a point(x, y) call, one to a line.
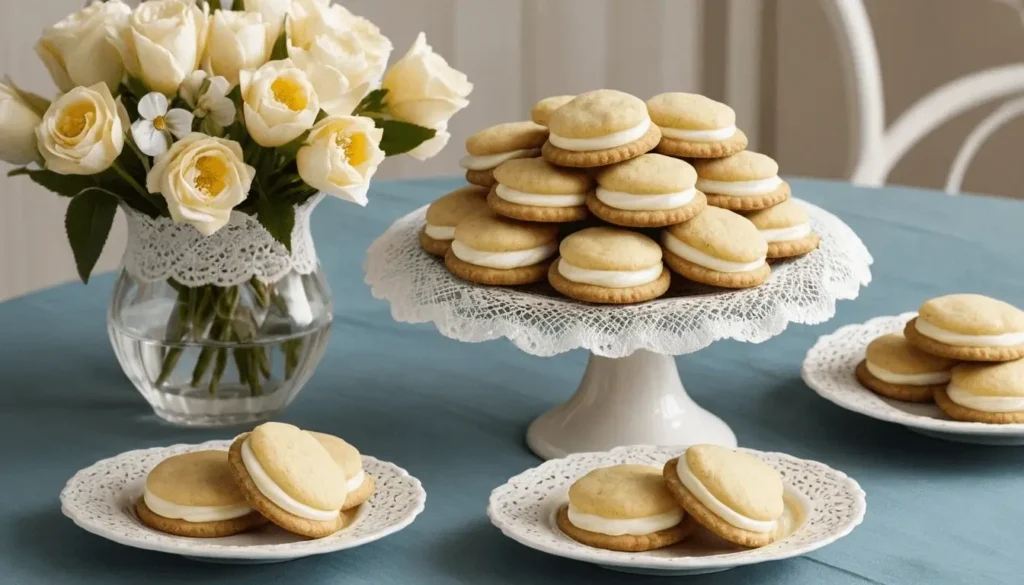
point(922, 44)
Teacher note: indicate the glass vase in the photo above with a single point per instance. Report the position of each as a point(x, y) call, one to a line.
point(223, 329)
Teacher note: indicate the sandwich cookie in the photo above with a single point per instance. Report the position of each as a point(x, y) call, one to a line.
point(532, 189)
point(985, 393)
point(735, 495)
point(286, 474)
point(609, 265)
point(600, 128)
point(745, 181)
point(495, 250)
point(968, 327)
point(625, 508)
point(492, 146)
point(358, 484)
point(541, 112)
point(195, 495)
point(718, 247)
point(787, 229)
point(694, 126)
point(895, 369)
point(445, 213)
point(650, 190)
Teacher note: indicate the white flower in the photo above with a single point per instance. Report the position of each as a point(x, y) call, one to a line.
point(202, 178)
point(164, 42)
point(344, 55)
point(279, 103)
point(152, 131)
point(238, 40)
point(424, 90)
point(273, 12)
point(78, 50)
point(208, 98)
point(340, 156)
point(81, 133)
point(20, 113)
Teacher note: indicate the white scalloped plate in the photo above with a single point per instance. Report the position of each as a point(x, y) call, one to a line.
point(827, 504)
point(829, 370)
point(101, 499)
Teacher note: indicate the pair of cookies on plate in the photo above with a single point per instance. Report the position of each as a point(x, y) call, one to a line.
point(636, 508)
point(964, 351)
point(305, 482)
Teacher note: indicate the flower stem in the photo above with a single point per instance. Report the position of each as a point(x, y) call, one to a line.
point(130, 180)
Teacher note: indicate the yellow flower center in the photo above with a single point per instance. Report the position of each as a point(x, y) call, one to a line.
point(290, 93)
point(355, 146)
point(160, 123)
point(212, 178)
point(76, 118)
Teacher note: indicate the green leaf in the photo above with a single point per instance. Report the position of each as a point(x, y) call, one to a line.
point(401, 137)
point(135, 87)
point(238, 6)
point(214, 5)
point(64, 185)
point(291, 149)
point(89, 217)
point(278, 217)
point(280, 51)
point(373, 102)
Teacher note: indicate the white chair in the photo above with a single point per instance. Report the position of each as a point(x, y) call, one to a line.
point(878, 149)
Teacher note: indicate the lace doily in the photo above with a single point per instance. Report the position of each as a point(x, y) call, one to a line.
point(159, 249)
point(831, 503)
point(101, 499)
point(829, 370)
point(804, 290)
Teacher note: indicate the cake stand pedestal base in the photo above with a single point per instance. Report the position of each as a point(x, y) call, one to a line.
point(635, 400)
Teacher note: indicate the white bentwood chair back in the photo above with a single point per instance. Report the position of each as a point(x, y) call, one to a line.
point(877, 148)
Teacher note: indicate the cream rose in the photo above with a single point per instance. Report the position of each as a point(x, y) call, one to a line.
point(273, 12)
point(202, 178)
point(82, 133)
point(344, 55)
point(424, 90)
point(279, 103)
point(78, 50)
point(20, 115)
point(164, 42)
point(340, 156)
point(237, 41)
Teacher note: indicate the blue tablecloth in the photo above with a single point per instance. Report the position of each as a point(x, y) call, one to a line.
point(454, 415)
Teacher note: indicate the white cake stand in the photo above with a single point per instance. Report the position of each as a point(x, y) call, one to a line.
point(631, 393)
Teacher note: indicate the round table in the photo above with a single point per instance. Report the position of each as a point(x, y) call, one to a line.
point(454, 414)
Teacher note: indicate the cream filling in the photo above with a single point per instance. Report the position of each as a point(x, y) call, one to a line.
point(985, 403)
point(440, 232)
point(687, 252)
point(601, 142)
point(620, 526)
point(953, 338)
point(162, 507)
point(503, 260)
point(609, 278)
point(925, 379)
point(699, 135)
point(539, 200)
point(491, 161)
point(704, 496)
point(274, 493)
point(631, 202)
point(740, 188)
point(357, 480)
point(787, 234)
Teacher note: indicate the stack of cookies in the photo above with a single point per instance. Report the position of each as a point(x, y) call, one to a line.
point(604, 195)
point(965, 352)
point(636, 508)
point(305, 482)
